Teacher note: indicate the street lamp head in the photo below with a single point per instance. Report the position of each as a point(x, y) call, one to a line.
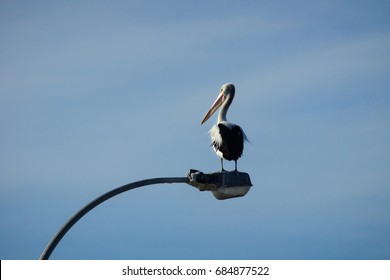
point(223, 184)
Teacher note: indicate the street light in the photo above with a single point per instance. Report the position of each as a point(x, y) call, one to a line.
point(223, 185)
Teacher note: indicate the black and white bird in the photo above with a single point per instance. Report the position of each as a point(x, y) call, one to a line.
point(227, 138)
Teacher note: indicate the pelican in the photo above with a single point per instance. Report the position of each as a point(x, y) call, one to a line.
point(227, 138)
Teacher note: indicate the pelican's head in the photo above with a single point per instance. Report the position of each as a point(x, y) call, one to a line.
point(226, 91)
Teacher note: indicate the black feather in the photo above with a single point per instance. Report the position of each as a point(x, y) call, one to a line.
point(232, 145)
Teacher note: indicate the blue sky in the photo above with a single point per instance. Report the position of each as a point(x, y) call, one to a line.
point(98, 94)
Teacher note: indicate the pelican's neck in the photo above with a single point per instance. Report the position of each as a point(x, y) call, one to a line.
point(225, 108)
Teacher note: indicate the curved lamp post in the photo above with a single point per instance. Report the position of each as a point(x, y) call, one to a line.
point(223, 185)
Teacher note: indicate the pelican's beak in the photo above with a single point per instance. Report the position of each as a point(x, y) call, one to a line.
point(217, 103)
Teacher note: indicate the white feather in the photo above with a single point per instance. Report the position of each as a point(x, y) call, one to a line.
point(216, 136)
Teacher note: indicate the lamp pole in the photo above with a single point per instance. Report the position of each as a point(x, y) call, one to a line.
point(224, 185)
